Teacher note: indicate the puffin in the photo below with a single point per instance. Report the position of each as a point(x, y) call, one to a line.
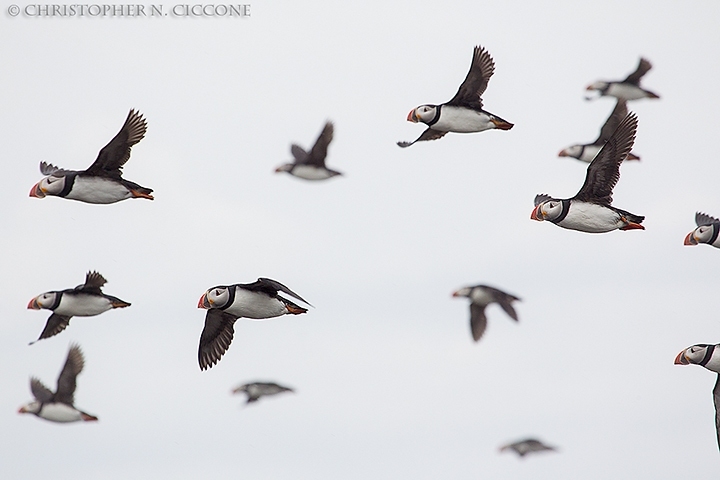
point(707, 356)
point(102, 183)
point(311, 166)
point(86, 300)
point(586, 153)
point(628, 89)
point(464, 112)
point(529, 445)
point(226, 303)
point(707, 231)
point(480, 297)
point(590, 210)
point(59, 406)
point(256, 390)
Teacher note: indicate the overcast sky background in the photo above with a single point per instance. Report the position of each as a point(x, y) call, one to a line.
point(389, 383)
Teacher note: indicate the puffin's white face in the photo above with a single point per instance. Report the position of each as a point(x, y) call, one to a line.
point(548, 210)
point(701, 234)
point(693, 354)
point(32, 407)
point(598, 86)
point(45, 300)
point(217, 297)
point(48, 186)
point(463, 292)
point(423, 113)
point(573, 151)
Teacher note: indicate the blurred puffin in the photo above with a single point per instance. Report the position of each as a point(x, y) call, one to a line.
point(530, 445)
point(59, 406)
point(464, 112)
point(590, 210)
point(311, 166)
point(225, 304)
point(586, 153)
point(480, 297)
point(628, 89)
point(707, 356)
point(86, 300)
point(102, 183)
point(707, 231)
point(260, 389)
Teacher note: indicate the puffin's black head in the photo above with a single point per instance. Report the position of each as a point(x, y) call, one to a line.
point(216, 297)
point(423, 113)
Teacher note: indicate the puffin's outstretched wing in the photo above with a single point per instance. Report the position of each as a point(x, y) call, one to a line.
point(115, 154)
point(478, 321)
point(319, 150)
point(428, 134)
point(216, 337)
point(271, 287)
point(603, 172)
point(643, 67)
point(702, 219)
point(470, 92)
point(618, 114)
point(54, 325)
point(41, 393)
point(66, 381)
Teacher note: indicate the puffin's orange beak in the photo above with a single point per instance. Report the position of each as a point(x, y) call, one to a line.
point(562, 154)
point(681, 360)
point(535, 215)
point(412, 117)
point(690, 239)
point(36, 191)
point(204, 302)
point(33, 305)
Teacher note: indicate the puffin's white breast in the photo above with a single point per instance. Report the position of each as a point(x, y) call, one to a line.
point(98, 190)
point(480, 296)
point(256, 306)
point(625, 91)
point(309, 172)
point(59, 412)
point(462, 120)
point(591, 218)
point(589, 153)
point(82, 305)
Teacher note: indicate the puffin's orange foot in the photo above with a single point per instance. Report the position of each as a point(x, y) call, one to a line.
point(137, 194)
point(294, 309)
point(632, 226)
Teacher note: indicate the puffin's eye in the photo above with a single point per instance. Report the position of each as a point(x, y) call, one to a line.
point(217, 293)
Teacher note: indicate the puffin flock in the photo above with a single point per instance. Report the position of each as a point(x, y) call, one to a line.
point(590, 211)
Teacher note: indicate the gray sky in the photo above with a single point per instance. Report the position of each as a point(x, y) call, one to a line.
point(389, 383)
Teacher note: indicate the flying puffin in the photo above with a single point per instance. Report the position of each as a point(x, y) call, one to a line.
point(260, 389)
point(225, 304)
point(707, 231)
point(86, 300)
point(707, 356)
point(628, 89)
point(58, 406)
point(590, 210)
point(530, 445)
point(480, 297)
point(464, 112)
point(102, 182)
point(311, 166)
point(586, 153)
